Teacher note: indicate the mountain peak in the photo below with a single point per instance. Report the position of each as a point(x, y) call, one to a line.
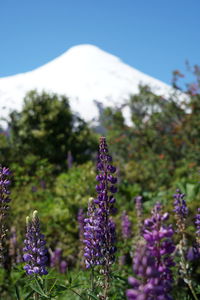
point(87, 48)
point(84, 73)
point(89, 51)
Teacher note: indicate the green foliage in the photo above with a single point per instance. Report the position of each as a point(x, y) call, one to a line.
point(158, 153)
point(57, 199)
point(77, 185)
point(4, 148)
point(72, 191)
point(46, 128)
point(162, 145)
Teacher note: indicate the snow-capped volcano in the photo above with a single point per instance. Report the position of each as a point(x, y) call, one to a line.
point(84, 73)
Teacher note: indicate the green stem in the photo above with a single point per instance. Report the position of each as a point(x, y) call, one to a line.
point(92, 279)
point(106, 282)
point(192, 291)
point(188, 279)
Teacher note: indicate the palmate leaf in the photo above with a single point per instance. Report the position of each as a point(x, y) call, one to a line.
point(198, 289)
point(35, 285)
point(61, 288)
point(29, 295)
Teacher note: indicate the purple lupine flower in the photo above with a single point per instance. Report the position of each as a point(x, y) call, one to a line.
point(148, 285)
point(100, 228)
point(81, 223)
point(57, 261)
point(105, 202)
point(197, 223)
point(14, 250)
point(181, 213)
point(126, 226)
point(194, 251)
point(180, 206)
point(158, 237)
point(55, 257)
point(63, 267)
point(4, 200)
point(92, 234)
point(35, 250)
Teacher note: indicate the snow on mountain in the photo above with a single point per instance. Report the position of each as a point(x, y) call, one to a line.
point(84, 73)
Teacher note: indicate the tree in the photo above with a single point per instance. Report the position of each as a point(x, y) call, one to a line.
point(162, 142)
point(47, 129)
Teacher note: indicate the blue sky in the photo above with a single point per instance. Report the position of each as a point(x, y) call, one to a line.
point(154, 36)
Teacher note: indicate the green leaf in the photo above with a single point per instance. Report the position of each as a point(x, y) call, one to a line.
point(190, 190)
point(119, 277)
point(53, 285)
point(61, 288)
point(37, 288)
point(17, 292)
point(29, 295)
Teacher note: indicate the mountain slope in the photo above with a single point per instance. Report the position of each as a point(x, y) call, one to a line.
point(84, 73)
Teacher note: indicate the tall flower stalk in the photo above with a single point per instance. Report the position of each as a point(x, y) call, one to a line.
point(153, 260)
point(100, 228)
point(92, 237)
point(81, 223)
point(57, 261)
point(147, 284)
point(197, 223)
point(181, 213)
point(14, 249)
point(126, 230)
point(35, 252)
point(126, 226)
point(4, 200)
point(158, 237)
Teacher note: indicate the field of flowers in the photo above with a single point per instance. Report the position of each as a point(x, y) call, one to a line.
point(88, 217)
point(152, 256)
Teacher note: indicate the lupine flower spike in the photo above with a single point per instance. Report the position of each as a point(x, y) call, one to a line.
point(4, 200)
point(194, 251)
point(148, 285)
point(14, 249)
point(100, 228)
point(158, 237)
point(92, 250)
point(126, 226)
point(55, 257)
point(181, 213)
point(81, 223)
point(197, 223)
point(57, 261)
point(105, 201)
point(35, 250)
